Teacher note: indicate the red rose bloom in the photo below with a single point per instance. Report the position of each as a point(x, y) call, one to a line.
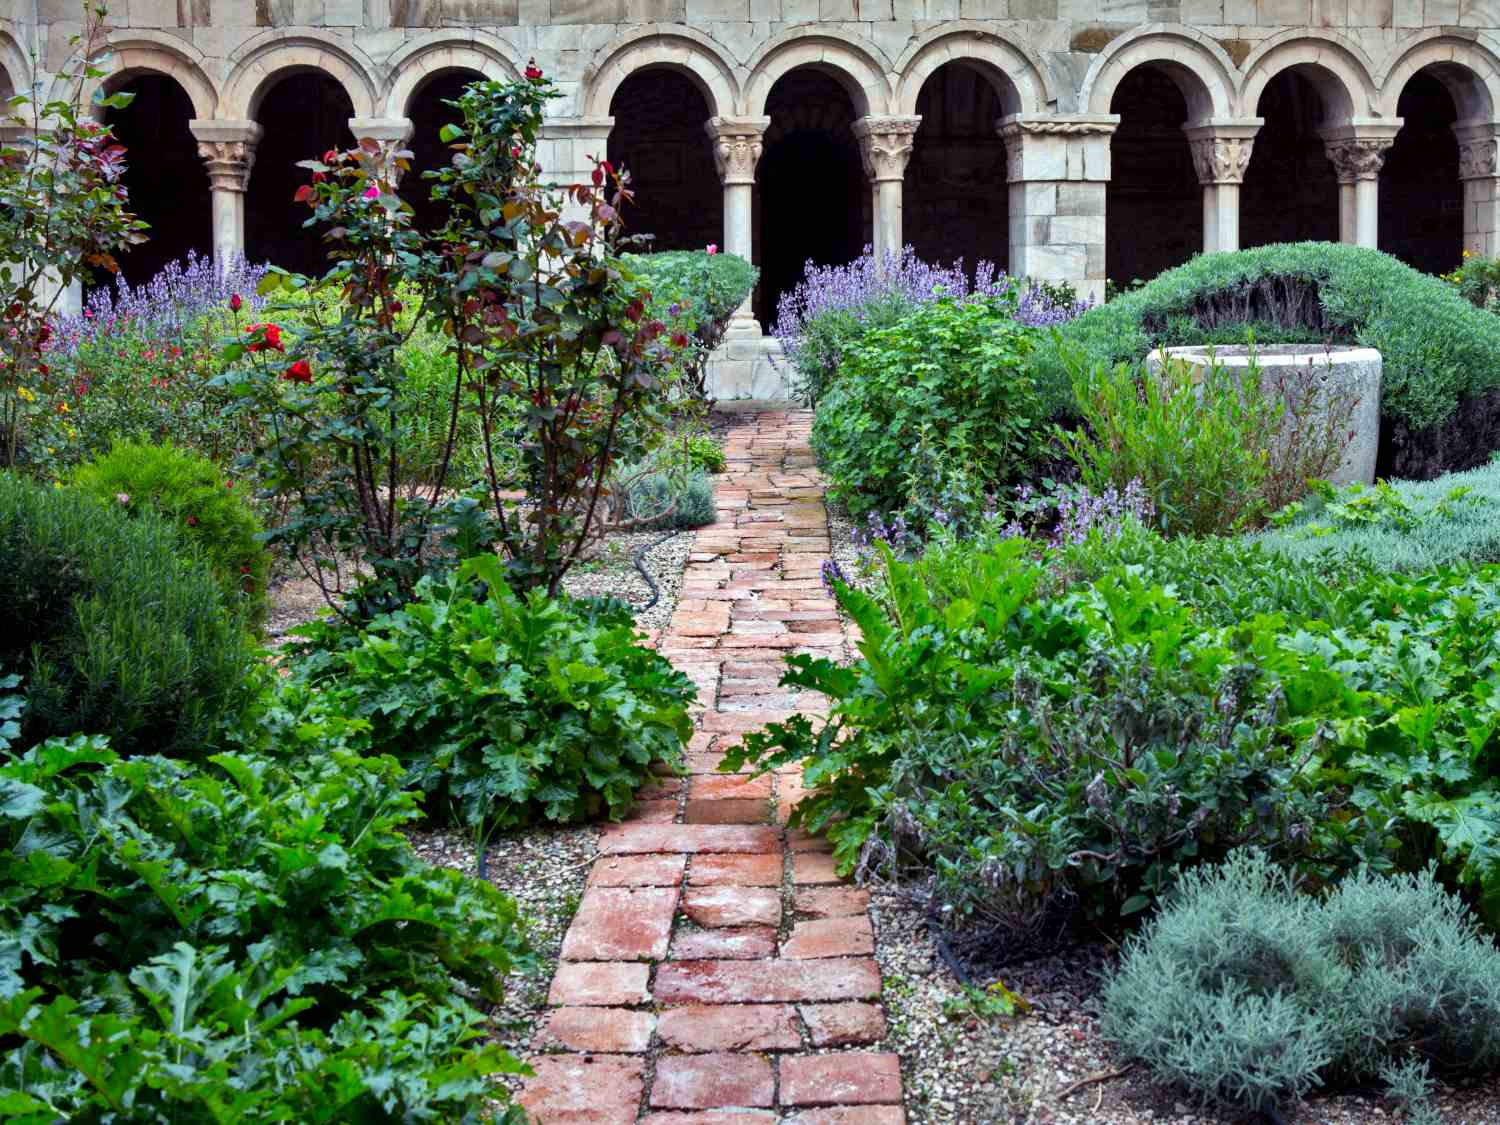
point(269, 341)
point(234, 302)
point(299, 372)
point(533, 71)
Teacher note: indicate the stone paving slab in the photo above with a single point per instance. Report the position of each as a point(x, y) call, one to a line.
point(714, 950)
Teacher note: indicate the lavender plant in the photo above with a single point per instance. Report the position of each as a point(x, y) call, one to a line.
point(833, 306)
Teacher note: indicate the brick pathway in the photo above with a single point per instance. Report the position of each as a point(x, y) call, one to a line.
point(717, 973)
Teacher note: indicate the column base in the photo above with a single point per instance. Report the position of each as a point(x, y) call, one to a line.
point(749, 365)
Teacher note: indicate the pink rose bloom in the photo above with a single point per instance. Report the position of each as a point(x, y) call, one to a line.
point(713, 247)
point(372, 192)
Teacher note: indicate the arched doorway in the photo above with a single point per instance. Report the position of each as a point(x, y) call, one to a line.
point(1421, 198)
point(1291, 192)
point(1154, 199)
point(304, 114)
point(955, 199)
point(814, 202)
point(659, 138)
point(429, 112)
point(164, 175)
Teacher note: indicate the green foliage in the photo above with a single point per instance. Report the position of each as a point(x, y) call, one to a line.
point(505, 709)
point(1436, 347)
point(1079, 729)
point(1401, 525)
point(1196, 438)
point(700, 452)
point(694, 292)
point(950, 379)
point(246, 940)
point(1246, 991)
point(1477, 280)
point(114, 632)
point(192, 495)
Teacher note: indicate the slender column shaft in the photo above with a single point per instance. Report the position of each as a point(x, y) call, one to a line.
point(1210, 218)
point(1229, 216)
point(1348, 214)
point(1367, 212)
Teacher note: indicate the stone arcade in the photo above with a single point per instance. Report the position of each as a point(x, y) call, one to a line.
point(1061, 139)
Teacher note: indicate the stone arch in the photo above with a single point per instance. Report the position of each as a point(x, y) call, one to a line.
point(860, 68)
point(14, 63)
point(256, 65)
point(1469, 69)
point(442, 51)
point(1013, 69)
point(148, 52)
point(1196, 64)
point(1338, 68)
point(670, 46)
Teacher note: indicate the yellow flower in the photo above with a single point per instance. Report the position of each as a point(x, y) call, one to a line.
point(63, 408)
point(26, 394)
point(50, 450)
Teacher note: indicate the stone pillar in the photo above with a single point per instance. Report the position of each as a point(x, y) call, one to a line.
point(393, 133)
point(563, 148)
point(228, 149)
point(1357, 152)
point(737, 144)
point(1478, 170)
point(1221, 153)
point(885, 145)
point(1058, 166)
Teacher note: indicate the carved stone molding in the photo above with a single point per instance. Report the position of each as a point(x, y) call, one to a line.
point(1064, 128)
point(229, 163)
point(738, 143)
point(1477, 159)
point(885, 145)
point(1357, 158)
point(1221, 160)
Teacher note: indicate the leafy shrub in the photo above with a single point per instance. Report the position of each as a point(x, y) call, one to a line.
point(247, 940)
point(695, 292)
point(1247, 992)
point(1401, 525)
point(506, 709)
point(700, 452)
point(1477, 280)
point(190, 493)
point(685, 499)
point(112, 630)
point(949, 380)
point(1213, 448)
point(1039, 727)
point(1437, 349)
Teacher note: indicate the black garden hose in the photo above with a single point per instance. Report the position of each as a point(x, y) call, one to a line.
point(640, 565)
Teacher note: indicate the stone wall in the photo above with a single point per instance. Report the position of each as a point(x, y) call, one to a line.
point(1050, 71)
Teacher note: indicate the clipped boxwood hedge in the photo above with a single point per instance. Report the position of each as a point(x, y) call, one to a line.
point(1442, 355)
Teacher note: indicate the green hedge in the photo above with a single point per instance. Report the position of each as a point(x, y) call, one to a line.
point(1436, 346)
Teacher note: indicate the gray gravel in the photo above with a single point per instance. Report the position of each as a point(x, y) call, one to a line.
point(611, 571)
point(544, 869)
point(964, 1069)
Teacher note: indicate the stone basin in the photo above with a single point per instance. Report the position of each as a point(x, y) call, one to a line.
point(1330, 367)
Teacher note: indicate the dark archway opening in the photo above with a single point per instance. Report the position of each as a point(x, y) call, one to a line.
point(303, 115)
point(429, 112)
point(955, 200)
point(1291, 192)
point(814, 201)
point(1421, 198)
point(167, 182)
point(659, 138)
point(1154, 203)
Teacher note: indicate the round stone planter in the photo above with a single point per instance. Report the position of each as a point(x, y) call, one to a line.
point(1328, 369)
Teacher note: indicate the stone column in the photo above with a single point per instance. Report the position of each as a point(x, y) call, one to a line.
point(737, 143)
point(563, 148)
point(1221, 153)
point(1478, 170)
point(393, 133)
point(1058, 166)
point(1357, 152)
point(885, 145)
point(228, 149)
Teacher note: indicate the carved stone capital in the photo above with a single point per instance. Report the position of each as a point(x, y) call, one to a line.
point(229, 163)
point(737, 145)
point(1357, 158)
point(885, 145)
point(1221, 160)
point(1476, 159)
point(227, 148)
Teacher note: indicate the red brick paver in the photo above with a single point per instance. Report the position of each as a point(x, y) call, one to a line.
point(715, 950)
